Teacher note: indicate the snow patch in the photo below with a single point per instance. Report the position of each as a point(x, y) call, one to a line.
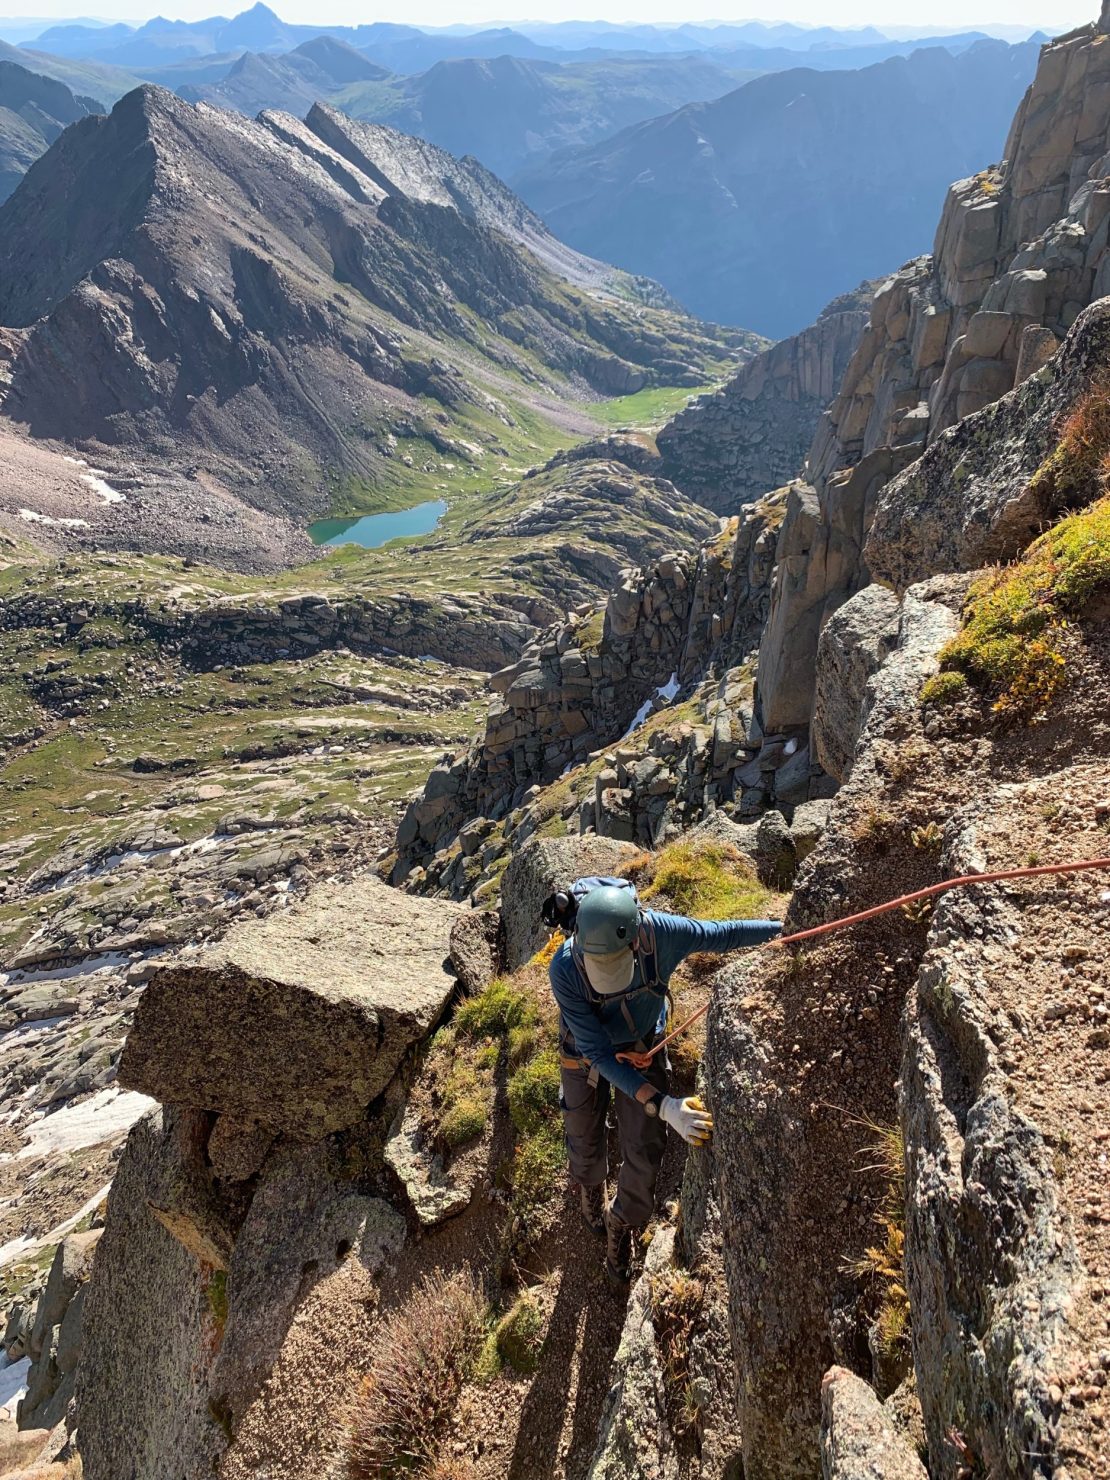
point(13, 1385)
point(666, 692)
point(103, 490)
point(16, 1249)
point(106, 1115)
point(104, 961)
point(33, 518)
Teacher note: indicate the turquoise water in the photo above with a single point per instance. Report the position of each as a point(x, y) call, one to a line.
point(373, 530)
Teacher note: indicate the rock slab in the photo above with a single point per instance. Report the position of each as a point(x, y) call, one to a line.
point(858, 1439)
point(297, 1021)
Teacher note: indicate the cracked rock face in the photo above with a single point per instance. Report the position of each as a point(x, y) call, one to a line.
point(297, 1022)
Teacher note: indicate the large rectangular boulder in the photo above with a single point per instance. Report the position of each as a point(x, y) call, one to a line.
point(296, 1021)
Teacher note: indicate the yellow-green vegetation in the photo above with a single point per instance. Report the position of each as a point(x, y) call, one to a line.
point(519, 1016)
point(877, 825)
point(515, 1341)
point(589, 631)
point(533, 1092)
point(650, 407)
point(944, 689)
point(711, 881)
point(676, 1303)
point(422, 1353)
point(882, 1265)
point(495, 1010)
point(504, 1024)
point(1016, 636)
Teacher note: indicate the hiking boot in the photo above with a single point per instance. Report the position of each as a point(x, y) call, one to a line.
point(618, 1250)
point(592, 1203)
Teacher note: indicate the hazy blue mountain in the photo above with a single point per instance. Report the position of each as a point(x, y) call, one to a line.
point(311, 73)
point(33, 112)
point(507, 111)
point(757, 207)
point(89, 78)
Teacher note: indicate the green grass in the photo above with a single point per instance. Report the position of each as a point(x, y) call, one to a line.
point(518, 1335)
point(533, 1092)
point(710, 881)
point(1016, 636)
point(649, 408)
point(497, 1009)
point(943, 689)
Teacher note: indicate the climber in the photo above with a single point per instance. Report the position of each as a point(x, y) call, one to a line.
point(610, 978)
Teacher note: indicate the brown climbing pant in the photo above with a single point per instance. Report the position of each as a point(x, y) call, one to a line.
point(642, 1140)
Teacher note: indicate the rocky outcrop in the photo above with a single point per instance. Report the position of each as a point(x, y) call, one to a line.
point(357, 968)
point(858, 1439)
point(852, 647)
point(790, 1055)
point(1019, 251)
point(1004, 1108)
point(728, 448)
point(974, 496)
point(55, 1339)
point(978, 495)
point(589, 683)
point(150, 1319)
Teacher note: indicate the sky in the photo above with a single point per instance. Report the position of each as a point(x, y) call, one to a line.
point(947, 14)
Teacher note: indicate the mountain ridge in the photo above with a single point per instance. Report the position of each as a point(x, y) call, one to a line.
point(786, 181)
point(272, 304)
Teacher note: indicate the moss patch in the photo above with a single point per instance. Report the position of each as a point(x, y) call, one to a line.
point(1015, 639)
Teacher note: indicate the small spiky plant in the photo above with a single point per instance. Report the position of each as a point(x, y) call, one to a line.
point(421, 1357)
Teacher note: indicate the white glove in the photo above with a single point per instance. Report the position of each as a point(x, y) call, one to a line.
point(688, 1117)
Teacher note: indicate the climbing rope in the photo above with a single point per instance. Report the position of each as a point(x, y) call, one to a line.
point(642, 1060)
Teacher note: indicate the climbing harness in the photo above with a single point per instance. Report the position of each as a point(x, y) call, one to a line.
point(642, 1060)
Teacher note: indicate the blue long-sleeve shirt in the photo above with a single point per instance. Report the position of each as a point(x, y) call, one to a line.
point(599, 1030)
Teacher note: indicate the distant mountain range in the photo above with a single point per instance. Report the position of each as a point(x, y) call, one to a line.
point(756, 208)
point(506, 111)
point(751, 46)
point(275, 305)
point(33, 112)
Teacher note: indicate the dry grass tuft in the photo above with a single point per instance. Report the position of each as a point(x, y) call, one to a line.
point(882, 1265)
point(676, 1305)
point(422, 1354)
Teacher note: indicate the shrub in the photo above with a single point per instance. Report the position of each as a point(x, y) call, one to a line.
point(1015, 635)
point(1077, 467)
point(420, 1358)
point(533, 1092)
point(711, 881)
point(676, 1304)
point(538, 1167)
point(463, 1122)
point(449, 1468)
